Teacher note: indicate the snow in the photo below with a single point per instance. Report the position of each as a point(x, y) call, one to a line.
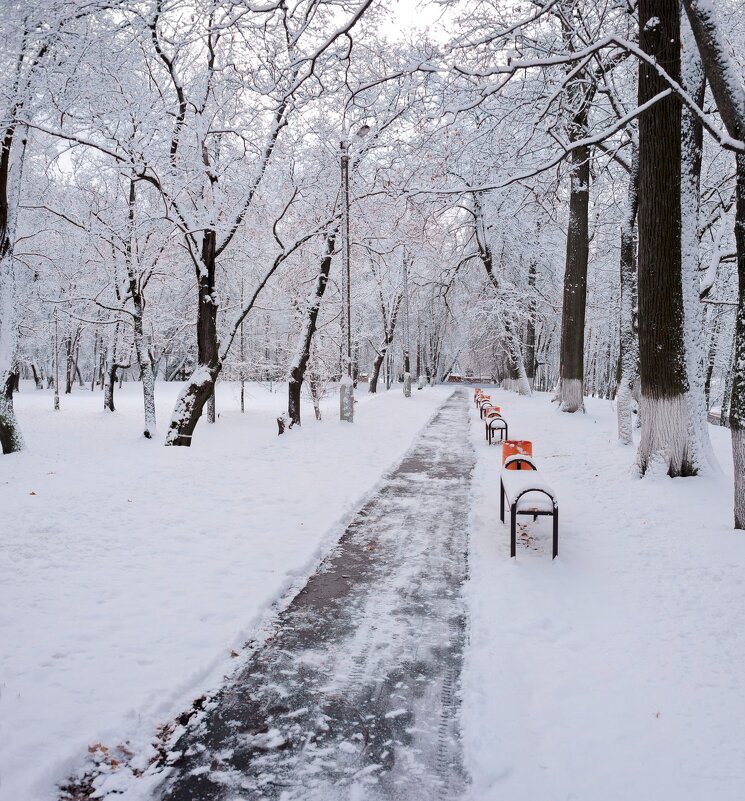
point(615, 671)
point(131, 571)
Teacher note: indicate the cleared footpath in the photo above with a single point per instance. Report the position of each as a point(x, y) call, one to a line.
point(355, 696)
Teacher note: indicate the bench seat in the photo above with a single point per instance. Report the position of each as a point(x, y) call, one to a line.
point(494, 424)
point(527, 493)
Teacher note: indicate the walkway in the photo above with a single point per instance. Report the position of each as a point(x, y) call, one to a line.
point(356, 695)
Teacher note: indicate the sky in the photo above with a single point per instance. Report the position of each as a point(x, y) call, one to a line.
point(408, 14)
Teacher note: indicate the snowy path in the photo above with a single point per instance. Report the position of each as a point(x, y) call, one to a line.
point(355, 696)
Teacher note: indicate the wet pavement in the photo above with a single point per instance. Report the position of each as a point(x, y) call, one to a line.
point(356, 694)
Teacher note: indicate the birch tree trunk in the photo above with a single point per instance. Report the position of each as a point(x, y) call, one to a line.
point(305, 340)
point(665, 445)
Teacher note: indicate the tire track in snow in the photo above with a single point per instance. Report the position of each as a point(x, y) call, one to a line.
point(356, 695)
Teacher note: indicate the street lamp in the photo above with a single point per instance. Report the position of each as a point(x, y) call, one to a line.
point(346, 388)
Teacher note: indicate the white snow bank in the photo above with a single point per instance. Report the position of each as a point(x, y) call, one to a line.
point(615, 672)
point(129, 571)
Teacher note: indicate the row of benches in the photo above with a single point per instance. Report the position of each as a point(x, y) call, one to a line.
point(520, 484)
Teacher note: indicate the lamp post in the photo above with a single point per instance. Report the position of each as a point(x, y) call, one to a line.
point(346, 388)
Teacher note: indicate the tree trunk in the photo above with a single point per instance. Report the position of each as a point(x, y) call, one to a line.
point(665, 444)
point(702, 454)
point(69, 371)
point(377, 364)
point(629, 344)
point(729, 94)
point(389, 329)
point(199, 388)
point(572, 348)
point(108, 395)
point(11, 168)
point(142, 352)
point(110, 371)
point(38, 381)
point(530, 332)
point(737, 402)
point(10, 440)
point(302, 355)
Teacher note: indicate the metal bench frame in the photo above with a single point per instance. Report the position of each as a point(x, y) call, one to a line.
point(504, 430)
point(483, 406)
point(514, 513)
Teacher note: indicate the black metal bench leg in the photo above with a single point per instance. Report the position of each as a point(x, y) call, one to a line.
point(501, 500)
point(556, 533)
point(513, 530)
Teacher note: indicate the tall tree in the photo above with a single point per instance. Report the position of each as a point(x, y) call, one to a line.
point(665, 441)
point(629, 356)
point(727, 87)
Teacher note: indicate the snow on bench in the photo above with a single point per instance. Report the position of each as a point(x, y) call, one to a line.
point(484, 404)
point(527, 493)
point(494, 423)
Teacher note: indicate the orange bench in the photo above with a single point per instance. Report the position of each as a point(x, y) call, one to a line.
point(526, 493)
point(494, 422)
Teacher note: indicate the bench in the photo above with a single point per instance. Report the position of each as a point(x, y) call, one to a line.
point(495, 423)
point(484, 404)
point(526, 493)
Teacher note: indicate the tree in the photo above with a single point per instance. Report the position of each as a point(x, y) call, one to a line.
point(307, 331)
point(665, 441)
point(729, 94)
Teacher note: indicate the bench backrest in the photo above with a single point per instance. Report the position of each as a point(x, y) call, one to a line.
point(519, 461)
point(516, 447)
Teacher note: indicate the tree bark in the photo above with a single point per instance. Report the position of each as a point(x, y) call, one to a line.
point(729, 94)
point(389, 329)
point(136, 292)
point(12, 157)
point(665, 444)
point(38, 381)
point(737, 402)
point(572, 347)
point(692, 73)
point(629, 344)
point(302, 356)
point(201, 384)
point(530, 329)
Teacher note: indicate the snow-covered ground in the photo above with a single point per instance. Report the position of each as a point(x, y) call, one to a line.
point(130, 571)
point(617, 671)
